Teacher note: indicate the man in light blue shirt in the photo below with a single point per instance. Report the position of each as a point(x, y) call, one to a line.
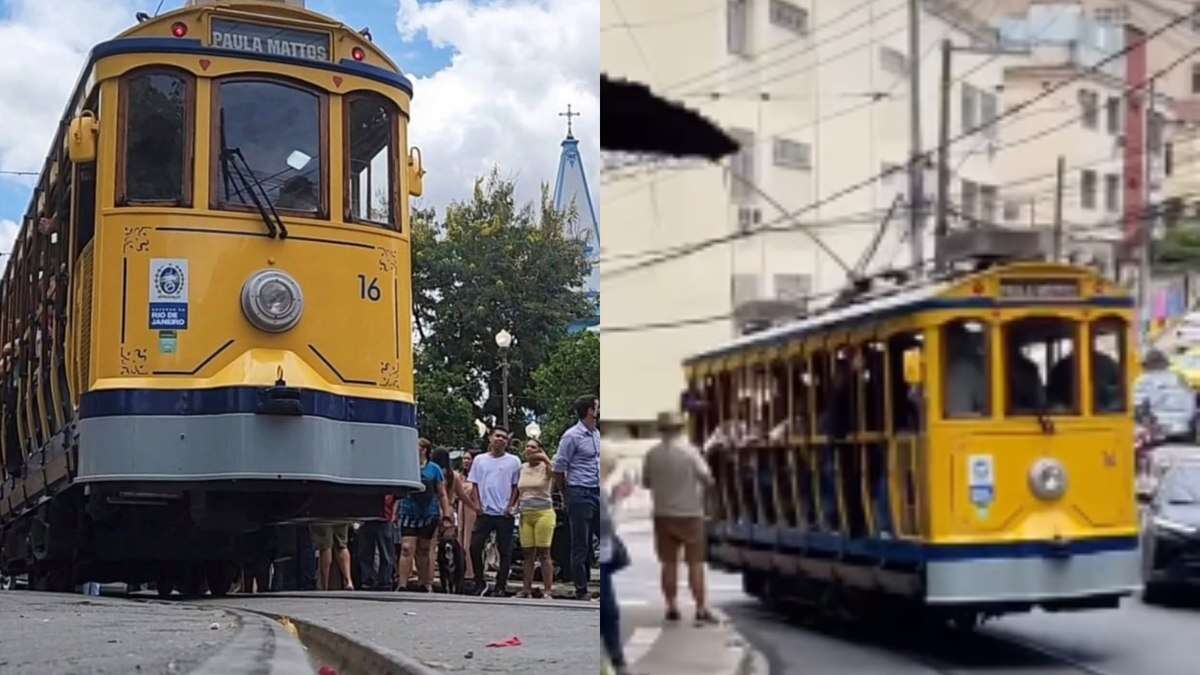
point(577, 472)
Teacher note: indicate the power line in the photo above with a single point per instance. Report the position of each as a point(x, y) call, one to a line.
point(663, 22)
point(21, 173)
point(922, 156)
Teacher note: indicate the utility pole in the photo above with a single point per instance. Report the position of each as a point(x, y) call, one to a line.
point(916, 188)
point(1058, 209)
point(942, 227)
point(1145, 227)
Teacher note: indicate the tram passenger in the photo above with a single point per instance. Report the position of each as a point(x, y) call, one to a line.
point(1026, 393)
point(420, 514)
point(1106, 381)
point(966, 371)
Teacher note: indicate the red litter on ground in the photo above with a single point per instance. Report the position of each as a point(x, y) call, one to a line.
point(327, 670)
point(513, 641)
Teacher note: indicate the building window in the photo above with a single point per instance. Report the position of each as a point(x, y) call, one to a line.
point(1012, 209)
point(786, 15)
point(970, 199)
point(1113, 109)
point(156, 106)
point(1087, 193)
point(1090, 101)
point(793, 287)
point(743, 166)
point(1168, 159)
point(1156, 133)
point(1196, 78)
point(370, 128)
point(988, 108)
point(792, 154)
point(1112, 192)
point(737, 35)
point(967, 101)
point(987, 203)
point(893, 61)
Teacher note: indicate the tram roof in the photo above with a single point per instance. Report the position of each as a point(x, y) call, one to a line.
point(890, 303)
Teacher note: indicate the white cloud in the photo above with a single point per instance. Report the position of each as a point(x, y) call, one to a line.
point(42, 50)
point(517, 64)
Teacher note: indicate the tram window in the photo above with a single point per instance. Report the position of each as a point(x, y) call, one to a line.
point(156, 138)
point(905, 401)
point(1108, 366)
point(1041, 367)
point(965, 371)
point(840, 417)
point(371, 122)
point(85, 206)
point(873, 383)
point(779, 401)
point(820, 389)
point(277, 129)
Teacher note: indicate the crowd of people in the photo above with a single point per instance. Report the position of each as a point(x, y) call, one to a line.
point(443, 530)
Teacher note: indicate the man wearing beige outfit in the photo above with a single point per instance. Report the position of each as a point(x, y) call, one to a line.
point(676, 475)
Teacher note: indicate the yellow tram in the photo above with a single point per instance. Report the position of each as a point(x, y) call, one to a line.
point(964, 444)
point(206, 316)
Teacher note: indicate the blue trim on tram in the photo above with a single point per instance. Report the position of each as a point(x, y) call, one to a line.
point(901, 310)
point(193, 46)
point(792, 540)
point(232, 400)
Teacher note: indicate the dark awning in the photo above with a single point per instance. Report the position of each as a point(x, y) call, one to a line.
point(632, 119)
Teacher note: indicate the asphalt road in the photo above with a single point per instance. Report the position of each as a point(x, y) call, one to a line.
point(1135, 639)
point(61, 633)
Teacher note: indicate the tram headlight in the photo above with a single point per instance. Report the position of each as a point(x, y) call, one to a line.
point(1048, 479)
point(272, 301)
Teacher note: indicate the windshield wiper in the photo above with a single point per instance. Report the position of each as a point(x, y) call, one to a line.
point(229, 157)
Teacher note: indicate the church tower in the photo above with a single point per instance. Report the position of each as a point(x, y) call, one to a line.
point(570, 187)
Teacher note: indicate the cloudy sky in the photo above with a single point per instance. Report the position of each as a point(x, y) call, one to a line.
point(489, 76)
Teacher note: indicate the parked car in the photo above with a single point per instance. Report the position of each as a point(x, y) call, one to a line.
point(1188, 329)
point(1171, 400)
point(1171, 533)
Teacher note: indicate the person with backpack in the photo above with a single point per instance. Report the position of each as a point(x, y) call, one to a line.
point(420, 515)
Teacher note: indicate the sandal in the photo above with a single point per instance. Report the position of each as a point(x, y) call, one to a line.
point(672, 615)
point(706, 618)
point(524, 594)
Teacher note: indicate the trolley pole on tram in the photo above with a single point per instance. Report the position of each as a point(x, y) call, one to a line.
point(942, 226)
point(916, 166)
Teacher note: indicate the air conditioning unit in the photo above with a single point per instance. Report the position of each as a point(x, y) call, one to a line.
point(748, 217)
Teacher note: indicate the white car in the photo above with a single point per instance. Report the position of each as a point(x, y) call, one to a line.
point(1188, 330)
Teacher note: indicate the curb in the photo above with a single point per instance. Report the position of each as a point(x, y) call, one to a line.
point(752, 661)
point(384, 596)
point(344, 652)
point(260, 646)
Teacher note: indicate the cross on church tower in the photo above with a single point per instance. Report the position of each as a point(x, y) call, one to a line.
point(569, 115)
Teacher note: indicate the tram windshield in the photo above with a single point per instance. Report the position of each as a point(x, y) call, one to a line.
point(966, 353)
point(276, 127)
point(1041, 370)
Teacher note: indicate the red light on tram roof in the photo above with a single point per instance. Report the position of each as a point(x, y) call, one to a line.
point(977, 288)
point(358, 53)
point(178, 29)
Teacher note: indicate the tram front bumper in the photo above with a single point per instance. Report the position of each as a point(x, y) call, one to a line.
point(1037, 579)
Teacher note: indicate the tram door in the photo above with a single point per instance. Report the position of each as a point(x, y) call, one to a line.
point(906, 433)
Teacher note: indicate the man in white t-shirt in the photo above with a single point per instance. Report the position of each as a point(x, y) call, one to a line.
point(494, 475)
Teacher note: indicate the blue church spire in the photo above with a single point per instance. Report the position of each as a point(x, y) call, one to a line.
point(571, 187)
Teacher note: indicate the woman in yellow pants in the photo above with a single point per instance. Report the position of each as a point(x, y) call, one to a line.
point(533, 501)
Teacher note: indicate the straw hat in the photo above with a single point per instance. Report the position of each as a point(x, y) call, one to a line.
point(670, 421)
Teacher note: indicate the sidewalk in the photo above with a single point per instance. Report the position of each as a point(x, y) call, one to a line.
point(653, 647)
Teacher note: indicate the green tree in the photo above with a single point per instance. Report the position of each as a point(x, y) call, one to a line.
point(572, 370)
point(444, 413)
point(1179, 248)
point(489, 265)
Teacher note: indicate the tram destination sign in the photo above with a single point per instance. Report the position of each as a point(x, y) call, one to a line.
point(270, 40)
point(1038, 289)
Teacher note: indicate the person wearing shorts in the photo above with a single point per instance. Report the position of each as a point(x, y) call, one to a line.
point(676, 475)
point(420, 515)
point(328, 537)
point(533, 502)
